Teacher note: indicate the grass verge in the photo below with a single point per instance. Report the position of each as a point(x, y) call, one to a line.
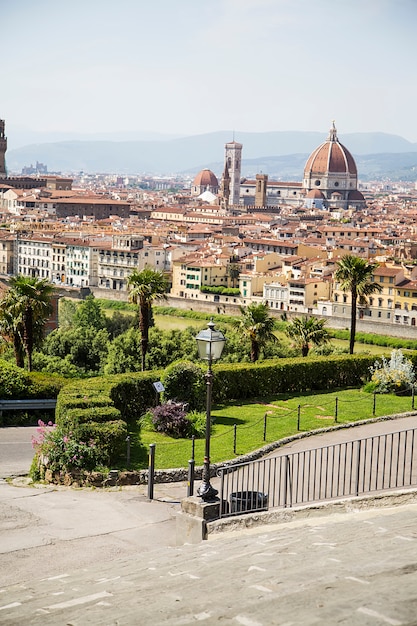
point(283, 418)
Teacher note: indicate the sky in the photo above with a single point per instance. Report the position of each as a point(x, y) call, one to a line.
point(187, 67)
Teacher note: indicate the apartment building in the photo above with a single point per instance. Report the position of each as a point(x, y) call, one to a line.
point(191, 273)
point(118, 258)
point(81, 263)
point(7, 253)
point(300, 295)
point(405, 307)
point(34, 255)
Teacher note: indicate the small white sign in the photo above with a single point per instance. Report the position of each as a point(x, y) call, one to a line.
point(158, 386)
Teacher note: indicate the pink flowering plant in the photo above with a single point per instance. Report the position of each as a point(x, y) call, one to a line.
point(59, 451)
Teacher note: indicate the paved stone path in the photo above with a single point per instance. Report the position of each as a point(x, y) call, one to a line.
point(79, 557)
point(355, 569)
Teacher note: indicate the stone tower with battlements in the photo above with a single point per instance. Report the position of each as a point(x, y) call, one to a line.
point(3, 148)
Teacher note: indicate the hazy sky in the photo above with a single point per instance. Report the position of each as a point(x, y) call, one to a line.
point(196, 66)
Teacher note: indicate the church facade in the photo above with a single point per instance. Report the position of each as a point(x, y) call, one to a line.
point(330, 180)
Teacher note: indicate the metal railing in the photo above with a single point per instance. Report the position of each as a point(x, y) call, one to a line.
point(347, 469)
point(27, 404)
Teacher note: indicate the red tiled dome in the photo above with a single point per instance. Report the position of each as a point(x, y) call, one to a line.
point(356, 195)
point(315, 193)
point(205, 178)
point(331, 156)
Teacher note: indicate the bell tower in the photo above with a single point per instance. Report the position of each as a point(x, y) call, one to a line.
point(233, 162)
point(3, 148)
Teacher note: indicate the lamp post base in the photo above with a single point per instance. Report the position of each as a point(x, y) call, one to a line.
point(207, 492)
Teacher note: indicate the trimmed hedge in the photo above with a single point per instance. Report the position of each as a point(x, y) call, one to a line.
point(101, 408)
point(133, 394)
point(375, 340)
point(109, 437)
point(267, 378)
point(16, 383)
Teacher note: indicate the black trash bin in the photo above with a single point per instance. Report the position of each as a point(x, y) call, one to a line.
point(241, 501)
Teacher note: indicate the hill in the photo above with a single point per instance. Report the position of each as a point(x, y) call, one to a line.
point(279, 154)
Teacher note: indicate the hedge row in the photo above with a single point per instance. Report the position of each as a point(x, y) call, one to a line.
point(16, 383)
point(268, 378)
point(101, 408)
point(375, 340)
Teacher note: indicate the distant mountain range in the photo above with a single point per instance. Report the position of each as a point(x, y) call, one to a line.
point(281, 155)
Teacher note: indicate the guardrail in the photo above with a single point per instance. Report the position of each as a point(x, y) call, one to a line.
point(27, 404)
point(347, 469)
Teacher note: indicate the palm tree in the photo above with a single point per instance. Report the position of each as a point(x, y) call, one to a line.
point(10, 327)
point(24, 312)
point(306, 330)
point(356, 276)
point(145, 287)
point(233, 271)
point(257, 325)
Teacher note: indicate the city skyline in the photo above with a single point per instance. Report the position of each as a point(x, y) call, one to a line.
point(188, 68)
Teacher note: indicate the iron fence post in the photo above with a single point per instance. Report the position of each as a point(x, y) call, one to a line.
point(298, 416)
point(265, 427)
point(151, 470)
point(335, 410)
point(358, 466)
point(234, 437)
point(127, 451)
point(374, 407)
point(190, 483)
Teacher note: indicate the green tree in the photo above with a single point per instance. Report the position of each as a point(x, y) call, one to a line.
point(66, 312)
point(305, 331)
point(145, 287)
point(84, 347)
point(124, 353)
point(89, 314)
point(118, 323)
point(257, 325)
point(355, 275)
point(29, 301)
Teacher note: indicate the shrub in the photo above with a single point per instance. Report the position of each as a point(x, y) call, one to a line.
point(185, 382)
point(393, 375)
point(14, 382)
point(58, 451)
point(198, 423)
point(170, 418)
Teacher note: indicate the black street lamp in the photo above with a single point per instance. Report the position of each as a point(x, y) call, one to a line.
point(210, 343)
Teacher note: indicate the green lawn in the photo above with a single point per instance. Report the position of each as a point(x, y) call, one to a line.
point(316, 411)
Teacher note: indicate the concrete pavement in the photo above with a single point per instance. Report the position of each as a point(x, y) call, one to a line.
point(358, 569)
point(78, 556)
